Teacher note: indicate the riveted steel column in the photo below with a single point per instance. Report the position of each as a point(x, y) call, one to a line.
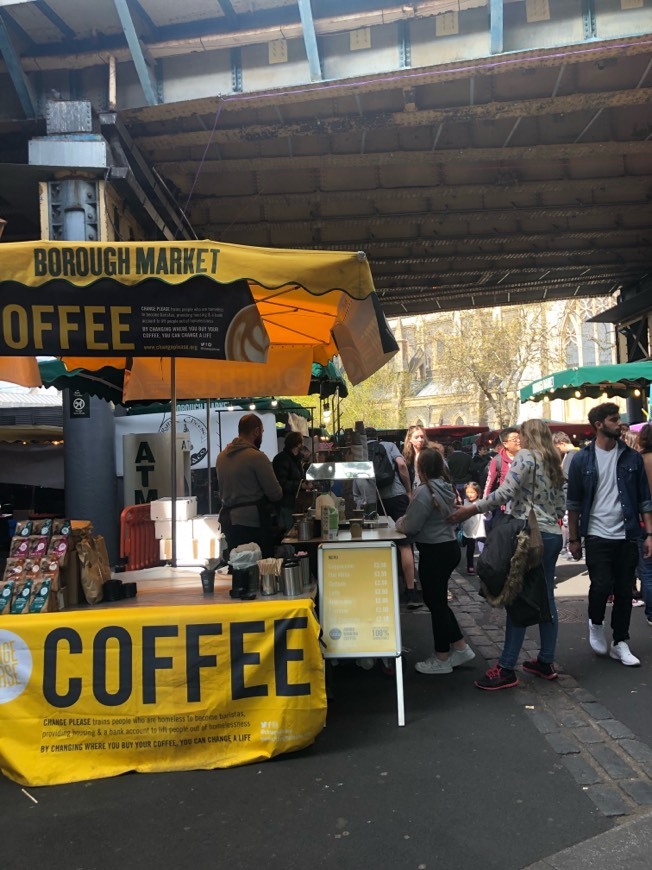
point(589, 24)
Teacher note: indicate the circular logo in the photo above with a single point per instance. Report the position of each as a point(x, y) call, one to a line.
point(15, 666)
point(79, 404)
point(335, 634)
point(192, 426)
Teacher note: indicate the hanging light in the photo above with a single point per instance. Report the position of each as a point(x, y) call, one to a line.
point(231, 408)
point(252, 407)
point(274, 402)
point(637, 393)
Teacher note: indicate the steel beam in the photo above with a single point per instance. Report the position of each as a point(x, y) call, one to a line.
point(526, 153)
point(159, 201)
point(49, 13)
point(496, 26)
point(310, 40)
point(16, 72)
point(375, 122)
point(145, 77)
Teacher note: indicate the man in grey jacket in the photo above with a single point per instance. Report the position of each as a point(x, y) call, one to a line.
point(245, 477)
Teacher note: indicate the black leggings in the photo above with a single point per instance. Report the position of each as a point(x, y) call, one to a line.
point(436, 562)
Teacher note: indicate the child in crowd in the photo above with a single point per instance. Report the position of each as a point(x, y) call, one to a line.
point(473, 529)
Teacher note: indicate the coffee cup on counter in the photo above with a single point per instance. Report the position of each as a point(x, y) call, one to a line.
point(207, 581)
point(356, 529)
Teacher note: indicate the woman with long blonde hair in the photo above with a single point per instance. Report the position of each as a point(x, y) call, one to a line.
point(534, 480)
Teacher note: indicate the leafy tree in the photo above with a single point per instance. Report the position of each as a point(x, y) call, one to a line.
point(489, 350)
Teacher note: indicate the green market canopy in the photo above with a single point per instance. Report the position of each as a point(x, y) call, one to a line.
point(591, 382)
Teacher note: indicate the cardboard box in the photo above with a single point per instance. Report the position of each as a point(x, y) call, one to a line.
point(207, 532)
point(186, 508)
point(207, 525)
point(184, 529)
point(187, 552)
point(209, 548)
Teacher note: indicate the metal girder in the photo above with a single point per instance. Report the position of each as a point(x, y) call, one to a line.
point(310, 40)
point(572, 189)
point(229, 12)
point(140, 177)
point(145, 76)
point(16, 72)
point(496, 26)
point(521, 242)
point(580, 257)
point(498, 155)
point(377, 122)
point(53, 18)
point(478, 213)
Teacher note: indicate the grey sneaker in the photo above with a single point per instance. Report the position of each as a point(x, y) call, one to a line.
point(598, 639)
point(459, 657)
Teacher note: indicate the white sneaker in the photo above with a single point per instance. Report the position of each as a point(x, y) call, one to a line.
point(461, 656)
point(433, 665)
point(622, 652)
point(597, 639)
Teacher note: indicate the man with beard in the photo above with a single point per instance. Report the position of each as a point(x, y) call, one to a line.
point(246, 478)
point(607, 492)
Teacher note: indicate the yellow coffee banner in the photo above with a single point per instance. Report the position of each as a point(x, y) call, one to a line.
point(93, 694)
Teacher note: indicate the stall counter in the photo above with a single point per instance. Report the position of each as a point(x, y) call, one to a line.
point(171, 680)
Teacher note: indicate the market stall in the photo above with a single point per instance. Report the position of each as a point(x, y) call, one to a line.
point(141, 685)
point(249, 321)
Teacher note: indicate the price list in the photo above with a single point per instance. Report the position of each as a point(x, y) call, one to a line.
point(358, 600)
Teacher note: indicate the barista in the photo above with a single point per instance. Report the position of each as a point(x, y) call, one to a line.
point(288, 469)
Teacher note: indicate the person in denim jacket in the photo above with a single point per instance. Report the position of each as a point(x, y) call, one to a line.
point(607, 493)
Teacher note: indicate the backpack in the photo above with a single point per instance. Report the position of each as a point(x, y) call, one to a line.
point(498, 465)
point(383, 465)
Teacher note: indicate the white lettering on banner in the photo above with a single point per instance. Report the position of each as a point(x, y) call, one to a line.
point(545, 384)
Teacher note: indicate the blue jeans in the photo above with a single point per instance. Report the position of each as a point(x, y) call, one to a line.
point(515, 635)
point(645, 573)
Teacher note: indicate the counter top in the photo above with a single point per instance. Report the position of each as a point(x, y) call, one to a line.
point(382, 533)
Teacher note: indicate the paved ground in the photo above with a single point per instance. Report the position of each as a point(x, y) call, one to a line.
point(546, 775)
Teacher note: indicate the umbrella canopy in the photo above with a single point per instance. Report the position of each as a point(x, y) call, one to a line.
point(237, 320)
point(107, 383)
point(591, 382)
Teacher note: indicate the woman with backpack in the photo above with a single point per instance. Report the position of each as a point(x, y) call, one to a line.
point(425, 521)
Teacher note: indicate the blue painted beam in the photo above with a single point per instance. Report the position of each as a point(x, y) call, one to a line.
point(55, 19)
point(16, 72)
point(310, 40)
point(138, 56)
point(496, 26)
